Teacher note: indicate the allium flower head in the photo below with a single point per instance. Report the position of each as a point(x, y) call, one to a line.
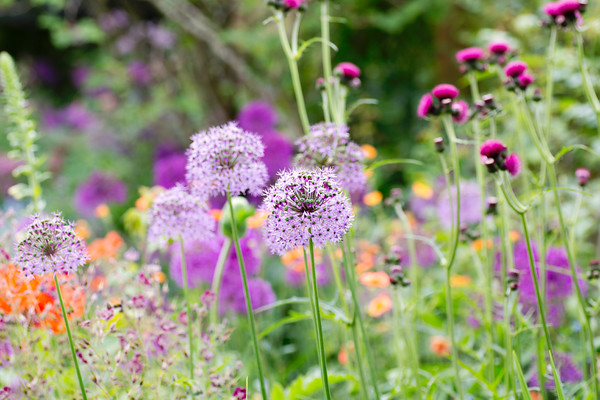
point(329, 145)
point(445, 91)
point(515, 68)
point(257, 117)
point(175, 212)
point(226, 159)
point(425, 106)
point(50, 246)
point(305, 204)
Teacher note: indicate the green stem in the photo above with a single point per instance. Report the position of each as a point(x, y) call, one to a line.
point(508, 361)
point(590, 93)
point(73, 353)
point(351, 278)
point(538, 139)
point(326, 55)
point(585, 320)
point(312, 299)
point(218, 276)
point(414, 264)
point(550, 78)
point(240, 258)
point(317, 318)
point(410, 343)
point(186, 294)
point(291, 57)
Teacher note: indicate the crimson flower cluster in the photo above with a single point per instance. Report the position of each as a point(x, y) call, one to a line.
point(441, 100)
point(494, 156)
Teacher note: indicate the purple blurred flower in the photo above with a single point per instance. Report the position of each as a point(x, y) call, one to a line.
point(226, 159)
point(139, 73)
point(329, 145)
point(176, 213)
point(470, 205)
point(303, 205)
point(77, 116)
point(79, 75)
point(295, 275)
point(160, 36)
point(113, 20)
point(51, 118)
point(43, 71)
point(261, 294)
point(278, 152)
point(170, 170)
point(257, 117)
point(100, 188)
point(50, 246)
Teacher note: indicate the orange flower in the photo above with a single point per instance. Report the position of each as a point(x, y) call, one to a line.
point(422, 190)
point(343, 356)
point(106, 248)
point(369, 151)
point(478, 244)
point(102, 211)
point(368, 174)
point(535, 395)
point(379, 305)
point(147, 196)
point(373, 198)
point(257, 220)
point(514, 236)
point(439, 345)
point(159, 277)
point(98, 283)
point(82, 229)
point(460, 281)
point(294, 259)
point(216, 214)
point(378, 279)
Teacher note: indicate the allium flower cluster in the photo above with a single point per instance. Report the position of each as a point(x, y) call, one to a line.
point(174, 213)
point(441, 101)
point(50, 246)
point(304, 205)
point(494, 156)
point(517, 76)
point(226, 159)
point(564, 13)
point(329, 145)
point(471, 59)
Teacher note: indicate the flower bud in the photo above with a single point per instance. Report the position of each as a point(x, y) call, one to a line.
point(439, 144)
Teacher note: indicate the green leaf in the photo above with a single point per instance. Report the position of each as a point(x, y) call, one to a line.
point(568, 149)
point(524, 388)
point(277, 393)
point(359, 103)
point(381, 163)
point(305, 44)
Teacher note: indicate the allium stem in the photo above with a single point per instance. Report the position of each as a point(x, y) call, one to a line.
point(446, 120)
point(590, 93)
point(414, 263)
point(411, 346)
point(585, 316)
point(240, 258)
point(73, 353)
point(307, 268)
point(351, 278)
point(317, 319)
point(291, 56)
point(217, 278)
point(188, 307)
point(508, 361)
point(326, 55)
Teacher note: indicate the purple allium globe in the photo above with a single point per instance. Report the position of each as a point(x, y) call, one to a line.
point(258, 117)
point(306, 204)
point(174, 213)
point(50, 246)
point(100, 188)
point(226, 159)
point(329, 145)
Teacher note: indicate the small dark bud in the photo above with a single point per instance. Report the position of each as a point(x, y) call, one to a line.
point(439, 144)
point(446, 102)
point(492, 203)
point(537, 95)
point(488, 99)
point(479, 105)
point(490, 164)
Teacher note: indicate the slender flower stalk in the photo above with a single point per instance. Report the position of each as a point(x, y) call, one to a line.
point(550, 78)
point(73, 353)
point(326, 56)
point(307, 267)
point(508, 361)
point(240, 257)
point(291, 55)
point(408, 337)
point(590, 93)
point(217, 278)
point(351, 277)
point(188, 307)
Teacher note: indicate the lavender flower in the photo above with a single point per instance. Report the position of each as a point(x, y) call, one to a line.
point(226, 159)
point(278, 153)
point(139, 73)
point(303, 205)
point(50, 246)
point(170, 169)
point(100, 188)
point(329, 145)
point(258, 117)
point(176, 213)
point(470, 204)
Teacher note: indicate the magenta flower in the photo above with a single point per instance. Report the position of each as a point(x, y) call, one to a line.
point(469, 54)
point(499, 47)
point(293, 3)
point(425, 106)
point(515, 68)
point(176, 213)
point(513, 164)
point(239, 393)
point(347, 70)
point(460, 112)
point(303, 205)
point(445, 91)
point(492, 148)
point(50, 246)
point(279, 152)
point(226, 159)
point(329, 145)
point(525, 80)
point(583, 176)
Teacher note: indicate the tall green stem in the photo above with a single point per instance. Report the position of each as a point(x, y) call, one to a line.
point(350, 276)
point(410, 343)
point(188, 306)
point(590, 93)
point(73, 353)
point(218, 276)
point(550, 78)
point(414, 263)
point(508, 361)
point(326, 55)
point(291, 55)
point(240, 258)
point(317, 319)
point(446, 120)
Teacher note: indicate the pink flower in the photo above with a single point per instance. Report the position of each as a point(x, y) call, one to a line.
point(515, 68)
point(552, 8)
point(525, 80)
point(469, 54)
point(513, 164)
point(445, 91)
point(499, 47)
point(424, 106)
point(582, 175)
point(347, 69)
point(492, 148)
point(293, 3)
point(460, 112)
point(567, 6)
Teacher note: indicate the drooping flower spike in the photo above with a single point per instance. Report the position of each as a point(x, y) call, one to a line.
point(174, 213)
point(306, 204)
point(226, 159)
point(329, 145)
point(50, 246)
